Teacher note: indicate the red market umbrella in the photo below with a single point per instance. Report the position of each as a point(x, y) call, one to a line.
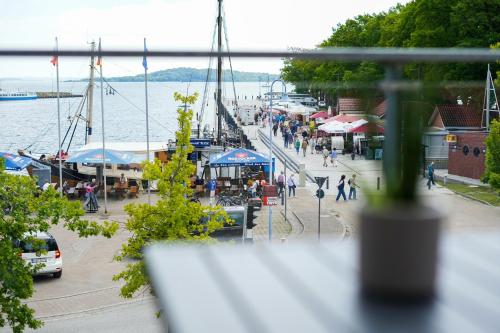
point(322, 114)
point(368, 128)
point(343, 118)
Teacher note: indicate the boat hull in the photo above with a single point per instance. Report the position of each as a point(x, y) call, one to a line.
point(18, 98)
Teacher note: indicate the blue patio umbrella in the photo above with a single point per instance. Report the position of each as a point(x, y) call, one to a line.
point(238, 157)
point(15, 162)
point(94, 156)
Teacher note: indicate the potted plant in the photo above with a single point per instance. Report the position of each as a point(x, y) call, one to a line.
point(399, 234)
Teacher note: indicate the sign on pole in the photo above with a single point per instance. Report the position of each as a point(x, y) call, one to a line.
point(320, 181)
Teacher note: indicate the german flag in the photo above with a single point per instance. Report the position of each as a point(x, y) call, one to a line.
point(99, 57)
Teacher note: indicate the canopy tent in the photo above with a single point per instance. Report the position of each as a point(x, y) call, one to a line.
point(367, 128)
point(15, 162)
point(343, 118)
point(94, 156)
point(322, 114)
point(129, 147)
point(339, 127)
point(238, 157)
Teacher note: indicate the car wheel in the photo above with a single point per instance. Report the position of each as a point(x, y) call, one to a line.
point(57, 275)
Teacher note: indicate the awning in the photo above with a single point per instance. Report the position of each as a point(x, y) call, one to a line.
point(367, 128)
point(129, 147)
point(322, 114)
point(339, 127)
point(15, 162)
point(94, 156)
point(238, 157)
point(343, 118)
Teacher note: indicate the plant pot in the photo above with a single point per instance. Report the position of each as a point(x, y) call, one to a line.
point(399, 246)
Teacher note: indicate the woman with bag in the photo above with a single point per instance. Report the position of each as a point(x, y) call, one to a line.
point(291, 186)
point(340, 188)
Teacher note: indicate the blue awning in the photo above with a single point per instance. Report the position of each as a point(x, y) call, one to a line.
point(239, 157)
point(15, 162)
point(94, 156)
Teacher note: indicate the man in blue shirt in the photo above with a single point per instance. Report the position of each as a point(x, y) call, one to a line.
point(430, 175)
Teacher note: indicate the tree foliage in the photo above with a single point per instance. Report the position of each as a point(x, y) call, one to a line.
point(419, 23)
point(492, 173)
point(174, 217)
point(25, 210)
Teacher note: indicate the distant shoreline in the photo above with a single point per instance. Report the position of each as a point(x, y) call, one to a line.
point(187, 74)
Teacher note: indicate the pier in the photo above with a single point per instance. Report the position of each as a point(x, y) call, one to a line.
point(53, 94)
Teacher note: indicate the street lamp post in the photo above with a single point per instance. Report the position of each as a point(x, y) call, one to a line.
point(271, 151)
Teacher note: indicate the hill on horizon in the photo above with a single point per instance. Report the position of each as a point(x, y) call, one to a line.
point(186, 74)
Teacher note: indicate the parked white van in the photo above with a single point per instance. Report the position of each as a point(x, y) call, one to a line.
point(50, 257)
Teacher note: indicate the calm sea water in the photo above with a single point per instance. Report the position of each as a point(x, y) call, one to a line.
point(33, 123)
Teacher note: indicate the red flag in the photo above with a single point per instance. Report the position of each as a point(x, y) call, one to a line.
point(54, 60)
point(99, 58)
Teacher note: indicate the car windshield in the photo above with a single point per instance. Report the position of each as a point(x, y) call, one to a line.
point(48, 245)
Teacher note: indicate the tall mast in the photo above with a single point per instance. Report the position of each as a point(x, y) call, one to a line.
point(219, 73)
point(90, 96)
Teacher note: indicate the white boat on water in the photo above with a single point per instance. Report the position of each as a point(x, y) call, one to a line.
point(16, 96)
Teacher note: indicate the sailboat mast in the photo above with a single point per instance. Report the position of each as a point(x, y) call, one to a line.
point(90, 97)
point(488, 88)
point(219, 73)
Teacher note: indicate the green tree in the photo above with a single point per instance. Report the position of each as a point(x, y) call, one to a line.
point(24, 210)
point(419, 23)
point(492, 173)
point(174, 217)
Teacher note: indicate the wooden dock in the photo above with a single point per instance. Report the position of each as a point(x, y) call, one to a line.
point(53, 94)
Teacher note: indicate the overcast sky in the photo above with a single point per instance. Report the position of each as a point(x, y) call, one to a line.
point(167, 24)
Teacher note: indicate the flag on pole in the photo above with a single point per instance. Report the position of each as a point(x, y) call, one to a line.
point(53, 61)
point(99, 58)
point(144, 61)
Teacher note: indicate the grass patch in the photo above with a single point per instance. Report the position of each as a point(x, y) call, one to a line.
point(482, 193)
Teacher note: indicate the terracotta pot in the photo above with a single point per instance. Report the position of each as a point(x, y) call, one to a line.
point(399, 246)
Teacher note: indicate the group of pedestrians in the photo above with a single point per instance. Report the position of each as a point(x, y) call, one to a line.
point(353, 185)
point(332, 155)
point(290, 182)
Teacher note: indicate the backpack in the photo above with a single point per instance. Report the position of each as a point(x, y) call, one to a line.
point(349, 182)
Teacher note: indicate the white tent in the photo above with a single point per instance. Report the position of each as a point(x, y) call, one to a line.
point(339, 127)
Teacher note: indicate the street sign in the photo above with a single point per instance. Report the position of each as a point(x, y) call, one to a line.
point(270, 201)
point(320, 193)
point(200, 143)
point(320, 181)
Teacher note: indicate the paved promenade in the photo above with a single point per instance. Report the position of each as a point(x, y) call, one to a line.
point(340, 219)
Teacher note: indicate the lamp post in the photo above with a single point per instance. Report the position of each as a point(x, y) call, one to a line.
point(271, 150)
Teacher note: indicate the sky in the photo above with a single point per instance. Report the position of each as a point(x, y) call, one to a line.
point(167, 25)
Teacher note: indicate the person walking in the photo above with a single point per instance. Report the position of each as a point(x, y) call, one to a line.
point(305, 143)
point(325, 156)
point(212, 186)
point(297, 145)
point(91, 204)
point(333, 157)
point(281, 184)
point(340, 188)
point(285, 137)
point(353, 185)
point(275, 129)
point(312, 143)
point(291, 186)
point(430, 175)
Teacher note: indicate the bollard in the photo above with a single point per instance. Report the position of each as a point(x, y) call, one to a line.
point(378, 183)
point(445, 180)
point(302, 175)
